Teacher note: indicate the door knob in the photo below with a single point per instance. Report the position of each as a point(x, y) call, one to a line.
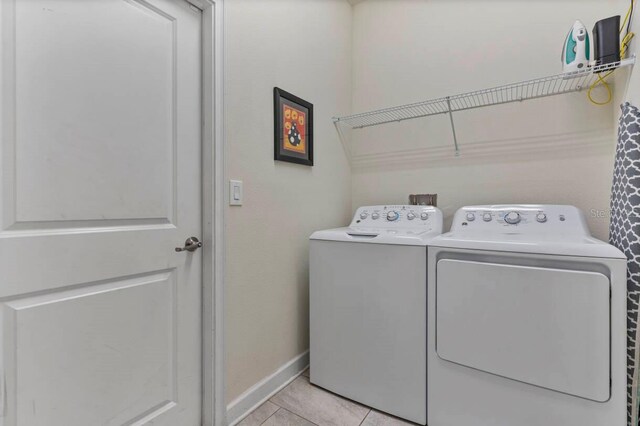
point(191, 244)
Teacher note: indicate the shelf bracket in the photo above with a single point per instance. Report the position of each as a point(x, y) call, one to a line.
point(343, 140)
point(453, 127)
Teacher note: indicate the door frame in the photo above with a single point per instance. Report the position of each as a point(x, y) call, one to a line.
point(213, 206)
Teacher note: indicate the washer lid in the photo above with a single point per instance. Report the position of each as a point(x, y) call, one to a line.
point(399, 236)
point(525, 228)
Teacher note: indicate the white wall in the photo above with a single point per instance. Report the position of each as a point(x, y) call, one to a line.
point(553, 150)
point(302, 47)
point(630, 81)
point(386, 52)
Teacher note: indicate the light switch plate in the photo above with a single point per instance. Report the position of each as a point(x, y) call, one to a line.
point(235, 193)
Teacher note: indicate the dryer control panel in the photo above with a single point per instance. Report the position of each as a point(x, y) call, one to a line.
point(521, 219)
point(396, 216)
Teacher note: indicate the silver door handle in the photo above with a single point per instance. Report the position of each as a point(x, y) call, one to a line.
point(191, 244)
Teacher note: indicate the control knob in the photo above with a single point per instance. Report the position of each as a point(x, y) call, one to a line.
point(424, 215)
point(541, 217)
point(471, 217)
point(375, 216)
point(411, 216)
point(393, 216)
point(512, 218)
point(364, 215)
point(487, 217)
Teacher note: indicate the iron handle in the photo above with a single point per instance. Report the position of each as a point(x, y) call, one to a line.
point(191, 244)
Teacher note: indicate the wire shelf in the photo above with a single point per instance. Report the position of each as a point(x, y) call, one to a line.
point(515, 92)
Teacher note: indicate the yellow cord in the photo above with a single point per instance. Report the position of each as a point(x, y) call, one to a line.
point(624, 45)
point(627, 16)
point(601, 80)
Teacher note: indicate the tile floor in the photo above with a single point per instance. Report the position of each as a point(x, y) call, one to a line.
point(303, 404)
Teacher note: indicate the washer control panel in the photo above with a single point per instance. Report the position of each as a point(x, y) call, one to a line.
point(521, 218)
point(396, 216)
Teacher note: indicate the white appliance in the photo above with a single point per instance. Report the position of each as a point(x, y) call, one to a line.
point(527, 320)
point(368, 320)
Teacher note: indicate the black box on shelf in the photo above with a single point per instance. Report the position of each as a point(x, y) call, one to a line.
point(606, 40)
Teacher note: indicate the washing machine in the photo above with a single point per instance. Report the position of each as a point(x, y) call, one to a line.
point(368, 308)
point(527, 320)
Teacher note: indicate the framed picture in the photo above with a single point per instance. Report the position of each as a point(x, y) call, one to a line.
point(293, 125)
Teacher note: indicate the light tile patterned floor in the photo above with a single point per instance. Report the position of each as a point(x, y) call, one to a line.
point(303, 404)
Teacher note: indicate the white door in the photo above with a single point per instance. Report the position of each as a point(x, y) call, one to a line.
point(101, 180)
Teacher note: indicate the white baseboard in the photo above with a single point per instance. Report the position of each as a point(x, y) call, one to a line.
point(255, 396)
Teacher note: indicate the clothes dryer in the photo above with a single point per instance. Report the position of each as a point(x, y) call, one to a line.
point(527, 320)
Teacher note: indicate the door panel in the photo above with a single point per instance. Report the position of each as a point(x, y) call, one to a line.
point(101, 180)
point(70, 348)
point(541, 326)
point(129, 172)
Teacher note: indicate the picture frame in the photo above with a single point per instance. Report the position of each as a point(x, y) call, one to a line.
point(293, 128)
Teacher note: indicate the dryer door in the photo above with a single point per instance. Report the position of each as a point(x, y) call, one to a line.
point(541, 326)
